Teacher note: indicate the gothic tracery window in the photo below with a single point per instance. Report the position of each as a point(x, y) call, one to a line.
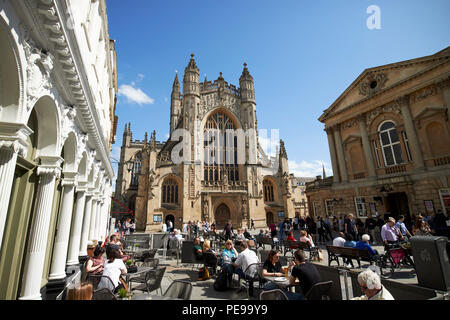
point(170, 191)
point(268, 191)
point(136, 171)
point(220, 149)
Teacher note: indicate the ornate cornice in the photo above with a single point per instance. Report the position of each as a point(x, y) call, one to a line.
point(66, 51)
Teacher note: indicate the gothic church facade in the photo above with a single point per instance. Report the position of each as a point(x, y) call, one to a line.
point(218, 187)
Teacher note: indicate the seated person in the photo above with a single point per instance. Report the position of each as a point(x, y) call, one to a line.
point(96, 263)
point(81, 292)
point(272, 268)
point(207, 247)
point(261, 233)
point(291, 238)
point(244, 260)
point(305, 237)
point(339, 240)
point(198, 250)
point(229, 254)
point(305, 272)
point(114, 243)
point(114, 268)
point(240, 235)
point(349, 242)
point(365, 244)
point(247, 235)
point(371, 287)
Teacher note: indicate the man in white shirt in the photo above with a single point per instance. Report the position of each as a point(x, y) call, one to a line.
point(339, 240)
point(246, 258)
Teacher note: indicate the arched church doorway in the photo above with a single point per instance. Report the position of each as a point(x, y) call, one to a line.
point(222, 215)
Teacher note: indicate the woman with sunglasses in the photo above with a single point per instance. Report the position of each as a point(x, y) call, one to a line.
point(229, 254)
point(272, 268)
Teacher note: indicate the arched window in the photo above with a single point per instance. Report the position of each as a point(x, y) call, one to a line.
point(220, 149)
point(268, 191)
point(136, 171)
point(170, 191)
point(390, 144)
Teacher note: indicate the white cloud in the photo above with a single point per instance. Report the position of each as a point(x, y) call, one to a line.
point(270, 145)
point(309, 168)
point(135, 95)
point(141, 76)
point(166, 99)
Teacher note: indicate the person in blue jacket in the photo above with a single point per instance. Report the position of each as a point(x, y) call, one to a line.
point(365, 244)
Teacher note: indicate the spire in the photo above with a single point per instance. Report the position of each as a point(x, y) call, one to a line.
point(192, 65)
point(245, 74)
point(129, 127)
point(324, 175)
point(176, 83)
point(146, 137)
point(283, 153)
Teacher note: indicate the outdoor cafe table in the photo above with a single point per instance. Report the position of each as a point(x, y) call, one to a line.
point(139, 272)
point(282, 284)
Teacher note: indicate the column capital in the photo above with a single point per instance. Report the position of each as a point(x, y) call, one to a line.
point(14, 136)
point(50, 166)
point(443, 83)
point(361, 117)
point(402, 101)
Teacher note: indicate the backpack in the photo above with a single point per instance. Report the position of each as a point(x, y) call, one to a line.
point(221, 283)
point(203, 274)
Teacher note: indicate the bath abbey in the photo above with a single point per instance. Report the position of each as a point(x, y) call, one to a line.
point(212, 167)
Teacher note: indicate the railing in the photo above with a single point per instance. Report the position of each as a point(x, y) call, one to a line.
point(358, 176)
point(319, 183)
point(441, 161)
point(217, 185)
point(396, 169)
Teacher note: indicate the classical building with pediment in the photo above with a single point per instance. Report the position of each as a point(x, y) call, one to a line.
point(215, 186)
point(389, 141)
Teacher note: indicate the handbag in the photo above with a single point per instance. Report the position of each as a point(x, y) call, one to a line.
point(203, 274)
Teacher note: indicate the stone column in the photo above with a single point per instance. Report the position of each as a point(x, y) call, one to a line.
point(12, 143)
point(86, 226)
point(75, 236)
point(8, 158)
point(366, 146)
point(35, 257)
point(92, 235)
point(403, 103)
point(333, 156)
point(99, 220)
point(340, 154)
point(58, 267)
point(444, 85)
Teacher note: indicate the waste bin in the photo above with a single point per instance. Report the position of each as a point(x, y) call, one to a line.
point(432, 261)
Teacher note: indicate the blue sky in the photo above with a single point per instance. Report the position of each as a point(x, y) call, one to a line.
point(302, 55)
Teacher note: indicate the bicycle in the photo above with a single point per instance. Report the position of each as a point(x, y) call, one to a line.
point(395, 257)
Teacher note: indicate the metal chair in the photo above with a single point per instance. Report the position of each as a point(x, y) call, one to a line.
point(320, 291)
point(151, 282)
point(253, 273)
point(179, 289)
point(103, 294)
point(211, 261)
point(96, 279)
point(275, 294)
point(149, 262)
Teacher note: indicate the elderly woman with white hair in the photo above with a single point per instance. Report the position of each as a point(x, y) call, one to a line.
point(372, 288)
point(365, 244)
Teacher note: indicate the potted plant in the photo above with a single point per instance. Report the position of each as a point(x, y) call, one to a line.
point(131, 267)
point(122, 293)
